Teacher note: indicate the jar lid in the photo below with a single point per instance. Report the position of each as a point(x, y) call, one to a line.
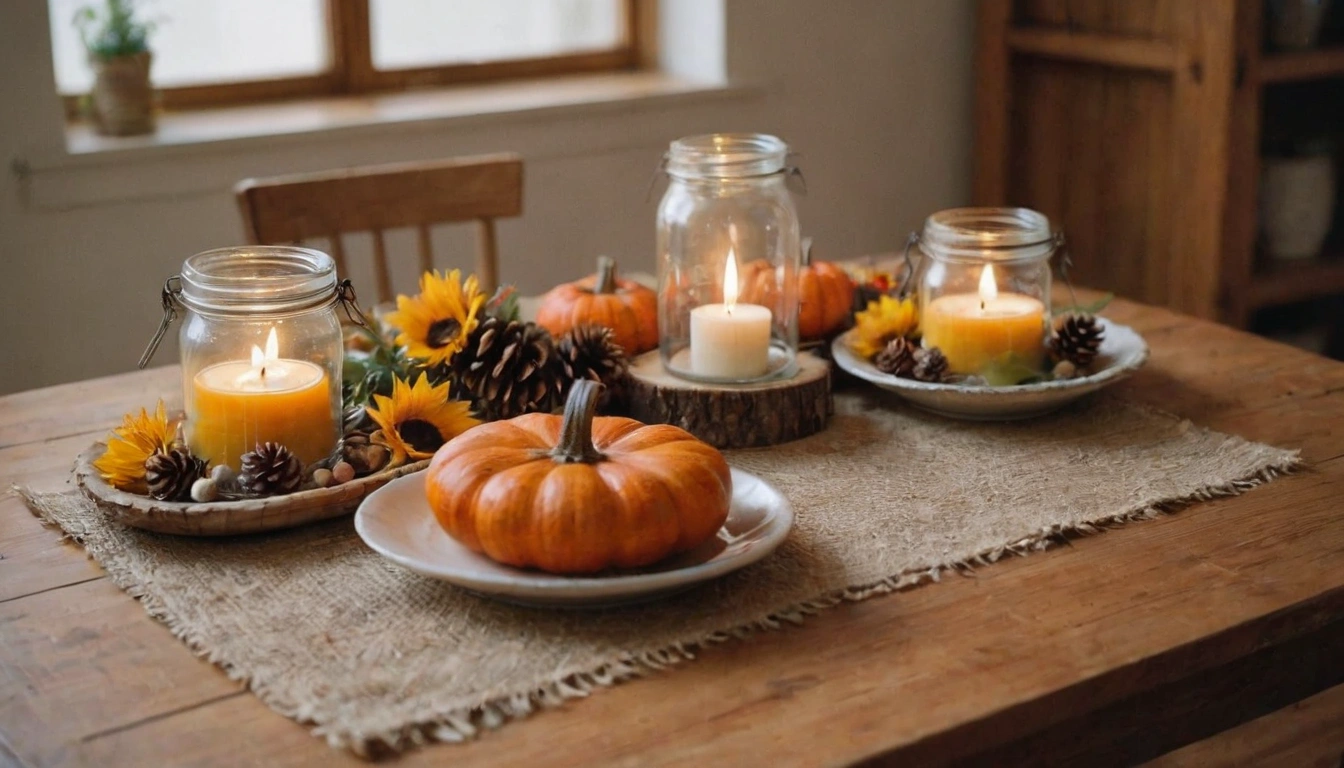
point(998, 234)
point(260, 279)
point(726, 156)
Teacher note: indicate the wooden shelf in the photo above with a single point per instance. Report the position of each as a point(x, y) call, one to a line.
point(1287, 282)
point(1303, 65)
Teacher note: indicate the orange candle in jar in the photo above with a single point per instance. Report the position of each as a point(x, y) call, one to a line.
point(974, 330)
point(239, 404)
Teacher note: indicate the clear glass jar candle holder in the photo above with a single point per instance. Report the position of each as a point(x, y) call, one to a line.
point(728, 260)
point(261, 352)
point(984, 287)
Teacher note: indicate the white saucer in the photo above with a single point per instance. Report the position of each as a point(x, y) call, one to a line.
point(397, 523)
point(1122, 352)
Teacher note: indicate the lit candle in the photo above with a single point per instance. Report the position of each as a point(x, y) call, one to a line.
point(730, 340)
point(975, 329)
point(242, 403)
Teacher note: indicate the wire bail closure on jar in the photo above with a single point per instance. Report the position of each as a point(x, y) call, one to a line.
point(793, 175)
point(171, 298)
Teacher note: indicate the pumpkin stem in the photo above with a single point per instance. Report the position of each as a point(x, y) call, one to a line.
point(576, 431)
point(606, 275)
point(807, 252)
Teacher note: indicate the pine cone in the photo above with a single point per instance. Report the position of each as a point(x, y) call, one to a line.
point(930, 365)
point(1077, 340)
point(365, 455)
point(897, 358)
point(170, 475)
point(591, 352)
point(269, 470)
point(509, 368)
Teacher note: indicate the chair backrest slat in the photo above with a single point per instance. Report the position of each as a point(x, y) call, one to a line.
point(426, 247)
point(337, 252)
point(375, 198)
point(381, 275)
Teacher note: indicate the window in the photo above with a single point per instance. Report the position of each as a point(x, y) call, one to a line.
point(209, 52)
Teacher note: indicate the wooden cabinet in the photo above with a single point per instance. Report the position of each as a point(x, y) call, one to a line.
point(1136, 125)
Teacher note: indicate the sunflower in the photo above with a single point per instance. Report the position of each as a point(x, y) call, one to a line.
point(138, 438)
point(435, 324)
point(882, 321)
point(416, 420)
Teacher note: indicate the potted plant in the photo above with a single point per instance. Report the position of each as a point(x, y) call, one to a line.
point(117, 42)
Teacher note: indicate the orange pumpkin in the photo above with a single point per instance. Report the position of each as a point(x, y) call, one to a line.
point(578, 494)
point(825, 294)
point(629, 309)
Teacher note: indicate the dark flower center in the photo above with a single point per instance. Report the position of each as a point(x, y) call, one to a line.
point(443, 332)
point(421, 435)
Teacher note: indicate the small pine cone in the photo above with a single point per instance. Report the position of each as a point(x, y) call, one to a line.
point(269, 470)
point(509, 368)
point(930, 366)
point(365, 455)
point(591, 352)
point(170, 475)
point(1077, 340)
point(897, 358)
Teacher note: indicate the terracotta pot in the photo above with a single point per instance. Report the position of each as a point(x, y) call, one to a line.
point(123, 99)
point(1297, 199)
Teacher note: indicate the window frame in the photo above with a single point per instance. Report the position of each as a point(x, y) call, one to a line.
point(350, 70)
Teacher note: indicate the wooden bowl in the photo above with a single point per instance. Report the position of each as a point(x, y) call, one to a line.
point(227, 518)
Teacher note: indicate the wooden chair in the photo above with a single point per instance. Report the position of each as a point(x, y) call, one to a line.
point(331, 204)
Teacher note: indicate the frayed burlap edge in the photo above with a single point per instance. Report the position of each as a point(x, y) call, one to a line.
point(464, 723)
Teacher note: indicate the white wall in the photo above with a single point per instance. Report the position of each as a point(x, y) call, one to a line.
point(874, 94)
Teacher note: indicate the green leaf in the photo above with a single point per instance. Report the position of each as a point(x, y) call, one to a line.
point(1088, 309)
point(1010, 369)
point(504, 304)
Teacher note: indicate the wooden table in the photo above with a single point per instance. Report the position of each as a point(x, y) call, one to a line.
point(1114, 649)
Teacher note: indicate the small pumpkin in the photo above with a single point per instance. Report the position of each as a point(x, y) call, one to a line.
point(629, 309)
point(578, 494)
point(825, 293)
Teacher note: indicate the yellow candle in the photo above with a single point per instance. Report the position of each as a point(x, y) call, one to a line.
point(730, 340)
point(239, 404)
point(974, 330)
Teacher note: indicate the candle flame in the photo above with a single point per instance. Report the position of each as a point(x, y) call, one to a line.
point(730, 281)
point(989, 288)
point(272, 352)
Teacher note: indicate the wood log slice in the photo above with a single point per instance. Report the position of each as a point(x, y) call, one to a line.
point(734, 416)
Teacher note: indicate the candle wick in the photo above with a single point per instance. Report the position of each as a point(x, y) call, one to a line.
point(263, 370)
point(982, 309)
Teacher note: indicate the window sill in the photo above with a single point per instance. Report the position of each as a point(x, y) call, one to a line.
point(356, 116)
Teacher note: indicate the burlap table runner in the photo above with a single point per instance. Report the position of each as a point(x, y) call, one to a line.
point(328, 633)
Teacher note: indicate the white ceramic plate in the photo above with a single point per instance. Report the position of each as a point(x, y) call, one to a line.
point(1122, 352)
point(397, 523)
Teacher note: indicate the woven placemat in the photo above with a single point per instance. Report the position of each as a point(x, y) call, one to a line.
point(377, 658)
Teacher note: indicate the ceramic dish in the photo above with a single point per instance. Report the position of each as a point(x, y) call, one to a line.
point(397, 523)
point(1122, 352)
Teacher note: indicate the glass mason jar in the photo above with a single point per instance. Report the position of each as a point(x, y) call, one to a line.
point(728, 260)
point(261, 352)
point(984, 288)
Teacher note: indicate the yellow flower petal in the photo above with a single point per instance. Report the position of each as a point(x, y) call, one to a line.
point(417, 419)
point(882, 321)
point(434, 324)
point(123, 463)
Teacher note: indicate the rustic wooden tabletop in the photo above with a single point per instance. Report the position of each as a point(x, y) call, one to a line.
point(1114, 649)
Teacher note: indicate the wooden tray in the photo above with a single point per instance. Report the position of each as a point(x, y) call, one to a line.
point(227, 518)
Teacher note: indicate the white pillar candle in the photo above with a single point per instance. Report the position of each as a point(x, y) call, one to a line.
point(730, 340)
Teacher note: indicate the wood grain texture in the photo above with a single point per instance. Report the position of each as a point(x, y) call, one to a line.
point(1025, 647)
point(1307, 733)
point(1124, 132)
point(328, 204)
point(745, 416)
